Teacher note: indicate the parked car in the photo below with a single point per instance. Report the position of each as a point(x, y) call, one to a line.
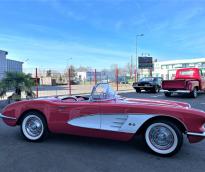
point(152, 84)
point(187, 80)
point(75, 82)
point(104, 114)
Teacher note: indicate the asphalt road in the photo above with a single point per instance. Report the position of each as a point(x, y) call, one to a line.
point(77, 154)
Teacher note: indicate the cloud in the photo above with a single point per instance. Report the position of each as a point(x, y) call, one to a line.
point(65, 9)
point(45, 50)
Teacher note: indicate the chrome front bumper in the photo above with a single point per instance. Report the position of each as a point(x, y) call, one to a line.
point(196, 134)
point(6, 117)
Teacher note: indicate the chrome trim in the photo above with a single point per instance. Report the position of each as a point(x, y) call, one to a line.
point(196, 134)
point(126, 123)
point(143, 86)
point(177, 91)
point(6, 117)
point(93, 90)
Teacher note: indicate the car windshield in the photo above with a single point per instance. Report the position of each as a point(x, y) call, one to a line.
point(103, 91)
point(147, 79)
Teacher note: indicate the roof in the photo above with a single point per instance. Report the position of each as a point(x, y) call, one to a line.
point(15, 61)
point(4, 52)
point(193, 60)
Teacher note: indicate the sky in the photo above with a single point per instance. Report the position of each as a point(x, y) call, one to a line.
point(99, 33)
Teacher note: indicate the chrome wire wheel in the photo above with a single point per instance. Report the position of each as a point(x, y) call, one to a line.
point(32, 127)
point(161, 138)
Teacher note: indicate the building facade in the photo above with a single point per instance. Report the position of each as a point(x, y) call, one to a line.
point(3, 64)
point(7, 65)
point(167, 69)
point(100, 75)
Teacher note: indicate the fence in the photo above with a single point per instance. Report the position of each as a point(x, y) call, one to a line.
point(53, 83)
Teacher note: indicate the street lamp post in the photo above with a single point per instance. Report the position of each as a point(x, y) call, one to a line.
point(68, 61)
point(138, 35)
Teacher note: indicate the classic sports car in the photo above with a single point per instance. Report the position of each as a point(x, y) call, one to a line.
point(152, 84)
point(105, 114)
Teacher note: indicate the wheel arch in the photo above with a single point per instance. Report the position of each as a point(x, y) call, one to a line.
point(178, 123)
point(30, 110)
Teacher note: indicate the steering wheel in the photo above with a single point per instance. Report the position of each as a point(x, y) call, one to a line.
point(74, 98)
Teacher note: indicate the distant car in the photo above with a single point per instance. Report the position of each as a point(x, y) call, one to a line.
point(123, 80)
point(187, 80)
point(75, 82)
point(105, 114)
point(152, 84)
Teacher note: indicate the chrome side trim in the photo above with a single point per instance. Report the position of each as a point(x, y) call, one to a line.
point(6, 117)
point(196, 134)
point(89, 121)
point(127, 123)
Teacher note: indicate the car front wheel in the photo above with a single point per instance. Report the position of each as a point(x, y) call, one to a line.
point(163, 138)
point(167, 94)
point(138, 90)
point(34, 126)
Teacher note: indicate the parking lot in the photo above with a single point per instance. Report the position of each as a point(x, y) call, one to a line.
point(72, 153)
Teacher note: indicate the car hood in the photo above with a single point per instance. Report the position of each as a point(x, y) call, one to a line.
point(154, 102)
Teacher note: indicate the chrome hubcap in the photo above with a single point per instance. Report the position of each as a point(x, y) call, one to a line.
point(161, 137)
point(34, 126)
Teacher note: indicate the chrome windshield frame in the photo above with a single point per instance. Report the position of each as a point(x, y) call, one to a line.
point(102, 100)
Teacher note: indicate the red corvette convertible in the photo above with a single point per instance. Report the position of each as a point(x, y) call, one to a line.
point(105, 114)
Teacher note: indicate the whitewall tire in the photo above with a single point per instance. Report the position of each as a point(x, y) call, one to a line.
point(163, 138)
point(33, 126)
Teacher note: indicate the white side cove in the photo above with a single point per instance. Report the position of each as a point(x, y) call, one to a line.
point(127, 123)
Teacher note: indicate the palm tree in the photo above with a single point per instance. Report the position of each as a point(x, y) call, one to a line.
point(18, 82)
point(2, 90)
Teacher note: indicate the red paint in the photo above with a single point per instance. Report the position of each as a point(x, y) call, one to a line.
point(58, 113)
point(150, 71)
point(186, 79)
point(69, 81)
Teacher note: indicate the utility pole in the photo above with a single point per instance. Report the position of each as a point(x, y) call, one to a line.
point(138, 35)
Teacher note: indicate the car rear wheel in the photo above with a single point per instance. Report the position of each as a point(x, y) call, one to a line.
point(156, 89)
point(163, 138)
point(34, 126)
point(194, 93)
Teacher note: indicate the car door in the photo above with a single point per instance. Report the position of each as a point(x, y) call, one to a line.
point(202, 80)
point(85, 114)
point(63, 116)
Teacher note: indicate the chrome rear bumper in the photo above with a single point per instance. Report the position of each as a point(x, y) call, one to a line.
point(196, 134)
point(6, 117)
point(177, 91)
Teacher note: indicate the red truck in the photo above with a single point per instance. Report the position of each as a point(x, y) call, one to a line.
point(187, 80)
